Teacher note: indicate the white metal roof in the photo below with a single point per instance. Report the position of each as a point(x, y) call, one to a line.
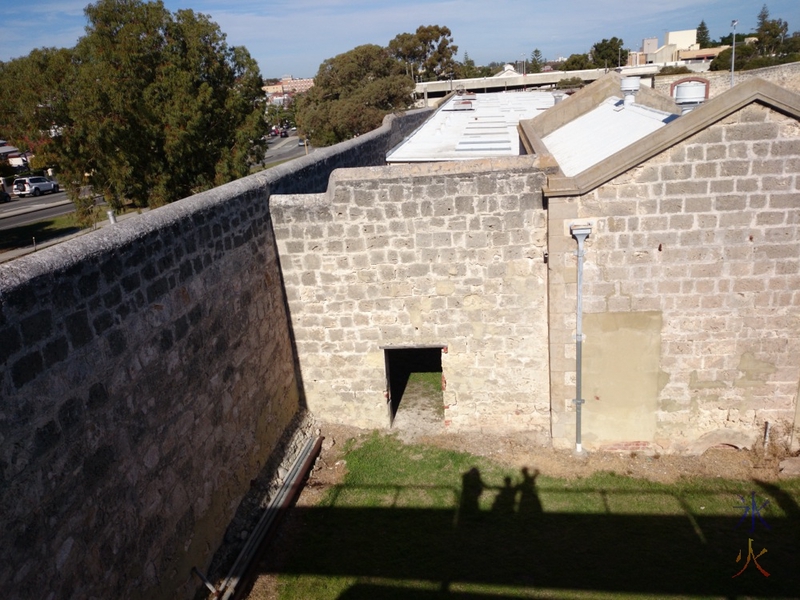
point(472, 126)
point(601, 132)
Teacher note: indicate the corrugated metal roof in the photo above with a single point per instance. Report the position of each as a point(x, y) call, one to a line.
point(472, 126)
point(599, 133)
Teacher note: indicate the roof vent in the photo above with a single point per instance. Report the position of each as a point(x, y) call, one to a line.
point(690, 95)
point(629, 87)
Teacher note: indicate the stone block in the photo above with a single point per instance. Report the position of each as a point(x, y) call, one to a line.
point(734, 168)
point(751, 132)
point(785, 148)
point(686, 188)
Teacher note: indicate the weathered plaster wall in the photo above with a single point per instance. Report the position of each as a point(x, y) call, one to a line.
point(440, 254)
point(706, 236)
point(146, 374)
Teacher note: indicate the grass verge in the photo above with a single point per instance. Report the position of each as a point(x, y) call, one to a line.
point(417, 522)
point(41, 231)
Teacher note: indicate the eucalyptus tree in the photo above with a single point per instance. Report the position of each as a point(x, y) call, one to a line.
point(428, 53)
point(150, 107)
point(352, 93)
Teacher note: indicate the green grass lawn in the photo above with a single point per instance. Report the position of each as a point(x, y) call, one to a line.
point(41, 231)
point(421, 523)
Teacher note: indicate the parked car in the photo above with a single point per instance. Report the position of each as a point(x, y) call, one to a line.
point(34, 186)
point(4, 196)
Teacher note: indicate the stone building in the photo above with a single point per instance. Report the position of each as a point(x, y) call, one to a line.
point(692, 279)
point(149, 370)
point(690, 297)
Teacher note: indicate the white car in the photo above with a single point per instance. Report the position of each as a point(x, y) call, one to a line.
point(34, 186)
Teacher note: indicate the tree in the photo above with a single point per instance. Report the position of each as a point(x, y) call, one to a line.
point(703, 37)
point(577, 62)
point(722, 62)
point(352, 93)
point(537, 62)
point(468, 69)
point(771, 33)
point(157, 106)
point(609, 53)
point(428, 53)
point(34, 94)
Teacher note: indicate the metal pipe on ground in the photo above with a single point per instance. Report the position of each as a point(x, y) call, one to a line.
point(277, 505)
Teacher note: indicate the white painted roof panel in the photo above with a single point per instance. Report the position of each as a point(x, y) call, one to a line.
point(599, 133)
point(472, 126)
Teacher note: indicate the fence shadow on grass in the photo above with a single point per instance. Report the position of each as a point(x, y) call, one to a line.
point(469, 553)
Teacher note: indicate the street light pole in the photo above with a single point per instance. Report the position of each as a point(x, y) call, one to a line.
point(734, 23)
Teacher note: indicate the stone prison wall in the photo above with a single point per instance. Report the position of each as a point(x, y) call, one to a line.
point(448, 254)
point(691, 293)
point(147, 374)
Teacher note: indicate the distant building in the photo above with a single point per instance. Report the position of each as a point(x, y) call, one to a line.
point(678, 45)
point(289, 85)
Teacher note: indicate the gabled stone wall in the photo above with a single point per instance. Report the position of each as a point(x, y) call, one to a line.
point(437, 254)
point(691, 293)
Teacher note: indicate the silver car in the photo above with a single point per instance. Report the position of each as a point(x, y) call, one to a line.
point(34, 186)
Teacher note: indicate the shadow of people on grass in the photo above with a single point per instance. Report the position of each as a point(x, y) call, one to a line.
point(506, 499)
point(530, 507)
point(471, 489)
point(519, 501)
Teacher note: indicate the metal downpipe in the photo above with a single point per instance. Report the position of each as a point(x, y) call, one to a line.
point(580, 233)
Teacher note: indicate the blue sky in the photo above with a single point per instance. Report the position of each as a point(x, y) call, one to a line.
point(293, 38)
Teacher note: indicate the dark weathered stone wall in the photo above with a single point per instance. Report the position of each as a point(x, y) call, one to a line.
point(146, 374)
point(145, 384)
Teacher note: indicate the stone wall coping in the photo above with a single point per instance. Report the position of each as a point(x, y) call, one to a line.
point(716, 109)
point(61, 256)
point(73, 251)
point(406, 170)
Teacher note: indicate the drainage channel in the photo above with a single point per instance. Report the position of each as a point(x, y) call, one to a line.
point(278, 504)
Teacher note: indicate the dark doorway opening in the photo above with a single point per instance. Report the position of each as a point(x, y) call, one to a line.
point(414, 377)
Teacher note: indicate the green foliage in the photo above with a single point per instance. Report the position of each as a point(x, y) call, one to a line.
point(577, 62)
point(427, 53)
point(674, 70)
point(537, 62)
point(703, 37)
point(149, 107)
point(469, 70)
point(771, 33)
point(352, 93)
point(722, 62)
point(569, 83)
point(609, 53)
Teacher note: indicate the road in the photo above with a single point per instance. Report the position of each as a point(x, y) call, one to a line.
point(23, 211)
point(283, 149)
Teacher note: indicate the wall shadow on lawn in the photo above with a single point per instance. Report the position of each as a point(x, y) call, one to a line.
point(23, 235)
point(689, 554)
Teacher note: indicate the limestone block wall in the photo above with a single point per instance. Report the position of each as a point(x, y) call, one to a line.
point(146, 375)
point(787, 76)
point(691, 293)
point(440, 254)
